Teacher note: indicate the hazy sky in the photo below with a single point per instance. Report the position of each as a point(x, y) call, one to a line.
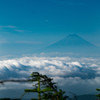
point(41, 22)
point(26, 25)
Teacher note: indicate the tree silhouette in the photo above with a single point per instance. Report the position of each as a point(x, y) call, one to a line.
point(45, 87)
point(98, 95)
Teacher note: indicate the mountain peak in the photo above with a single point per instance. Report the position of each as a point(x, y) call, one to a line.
point(75, 40)
point(72, 35)
point(72, 43)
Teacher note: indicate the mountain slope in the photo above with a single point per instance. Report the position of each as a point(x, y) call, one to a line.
point(72, 44)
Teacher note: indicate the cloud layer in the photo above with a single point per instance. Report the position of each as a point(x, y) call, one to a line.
point(71, 74)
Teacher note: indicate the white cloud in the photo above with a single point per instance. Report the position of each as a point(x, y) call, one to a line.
point(8, 26)
point(70, 73)
point(14, 28)
point(28, 42)
point(19, 30)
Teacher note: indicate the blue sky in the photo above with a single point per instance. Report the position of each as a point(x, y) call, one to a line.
point(41, 22)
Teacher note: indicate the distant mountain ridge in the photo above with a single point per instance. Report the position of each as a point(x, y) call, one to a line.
point(72, 44)
point(73, 40)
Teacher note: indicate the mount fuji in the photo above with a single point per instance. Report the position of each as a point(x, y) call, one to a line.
point(73, 44)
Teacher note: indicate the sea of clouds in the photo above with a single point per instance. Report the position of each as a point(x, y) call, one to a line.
point(74, 75)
